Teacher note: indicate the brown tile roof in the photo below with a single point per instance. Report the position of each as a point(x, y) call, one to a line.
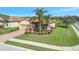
point(14, 18)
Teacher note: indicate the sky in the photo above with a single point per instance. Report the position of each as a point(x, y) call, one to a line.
point(28, 11)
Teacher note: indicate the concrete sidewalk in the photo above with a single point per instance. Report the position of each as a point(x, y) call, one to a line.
point(76, 31)
point(63, 48)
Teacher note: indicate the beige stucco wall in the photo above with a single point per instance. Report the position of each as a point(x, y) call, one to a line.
point(23, 27)
point(1, 23)
point(11, 24)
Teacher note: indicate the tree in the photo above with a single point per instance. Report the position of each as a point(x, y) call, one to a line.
point(40, 13)
point(67, 20)
point(75, 19)
point(49, 16)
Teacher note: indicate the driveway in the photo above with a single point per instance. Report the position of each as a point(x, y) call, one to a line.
point(5, 37)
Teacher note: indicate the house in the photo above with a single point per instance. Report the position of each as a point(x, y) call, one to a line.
point(24, 23)
point(53, 23)
point(15, 21)
point(1, 22)
point(12, 22)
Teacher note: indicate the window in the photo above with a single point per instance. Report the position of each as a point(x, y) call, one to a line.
point(6, 24)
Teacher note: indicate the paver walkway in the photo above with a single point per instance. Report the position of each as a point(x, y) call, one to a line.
point(71, 48)
point(7, 36)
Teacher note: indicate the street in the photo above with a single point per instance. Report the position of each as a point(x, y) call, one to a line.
point(6, 47)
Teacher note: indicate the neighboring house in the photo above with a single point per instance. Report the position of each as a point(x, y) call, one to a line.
point(53, 23)
point(17, 22)
point(1, 23)
point(12, 22)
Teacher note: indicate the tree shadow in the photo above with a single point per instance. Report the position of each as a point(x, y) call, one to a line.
point(63, 26)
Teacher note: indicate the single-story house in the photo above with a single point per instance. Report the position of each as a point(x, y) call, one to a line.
point(1, 21)
point(17, 22)
point(24, 23)
point(54, 23)
point(12, 22)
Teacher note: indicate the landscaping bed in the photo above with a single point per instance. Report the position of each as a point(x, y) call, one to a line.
point(60, 36)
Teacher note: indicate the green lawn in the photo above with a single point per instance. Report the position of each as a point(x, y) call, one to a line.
point(7, 30)
point(60, 36)
point(29, 46)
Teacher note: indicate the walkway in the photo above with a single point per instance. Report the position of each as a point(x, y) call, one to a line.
point(77, 25)
point(5, 37)
point(76, 31)
point(6, 47)
point(71, 48)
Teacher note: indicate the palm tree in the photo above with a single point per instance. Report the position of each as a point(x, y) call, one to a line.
point(40, 13)
point(48, 17)
point(46, 20)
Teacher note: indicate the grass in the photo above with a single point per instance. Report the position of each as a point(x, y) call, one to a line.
point(29, 46)
point(7, 30)
point(60, 36)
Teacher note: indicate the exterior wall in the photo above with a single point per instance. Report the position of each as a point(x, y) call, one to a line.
point(11, 24)
point(22, 27)
point(1, 23)
point(24, 22)
point(53, 25)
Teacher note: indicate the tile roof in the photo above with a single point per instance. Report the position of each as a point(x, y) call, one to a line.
point(15, 18)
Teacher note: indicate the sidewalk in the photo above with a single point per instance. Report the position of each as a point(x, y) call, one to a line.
point(76, 31)
point(71, 48)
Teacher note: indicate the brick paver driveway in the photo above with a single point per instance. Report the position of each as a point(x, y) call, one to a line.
point(5, 37)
